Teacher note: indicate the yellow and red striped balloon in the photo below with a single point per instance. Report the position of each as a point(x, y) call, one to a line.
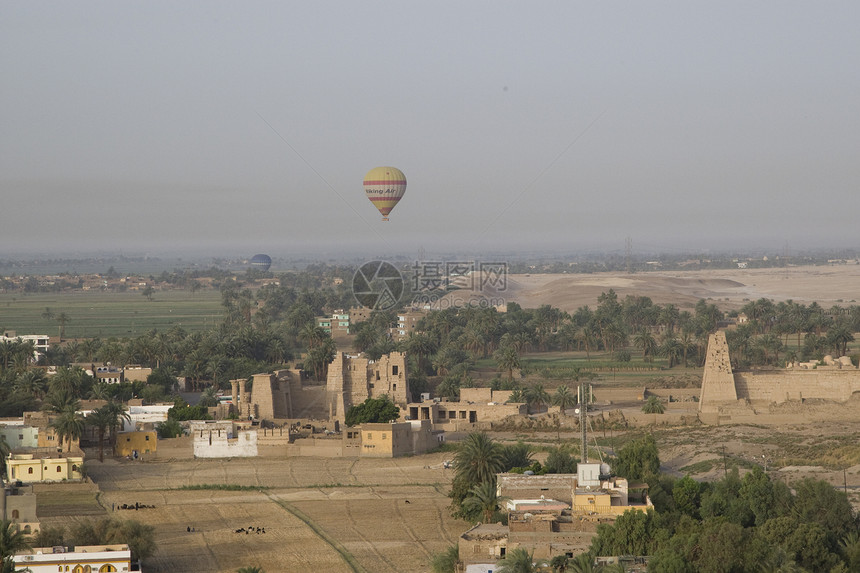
point(384, 187)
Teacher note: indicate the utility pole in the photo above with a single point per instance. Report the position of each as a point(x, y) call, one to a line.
point(583, 423)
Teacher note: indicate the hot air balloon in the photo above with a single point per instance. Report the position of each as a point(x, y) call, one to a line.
point(384, 187)
point(262, 262)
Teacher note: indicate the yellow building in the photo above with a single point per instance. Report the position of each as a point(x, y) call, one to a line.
point(30, 468)
point(127, 443)
point(396, 438)
point(597, 494)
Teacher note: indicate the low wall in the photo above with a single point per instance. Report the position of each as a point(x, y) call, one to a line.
point(179, 448)
point(314, 447)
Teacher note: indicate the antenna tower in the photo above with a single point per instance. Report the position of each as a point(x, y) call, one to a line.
point(584, 392)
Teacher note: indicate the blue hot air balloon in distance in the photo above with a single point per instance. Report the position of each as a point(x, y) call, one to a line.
point(262, 262)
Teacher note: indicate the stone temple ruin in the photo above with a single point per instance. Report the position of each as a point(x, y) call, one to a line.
point(354, 378)
point(726, 394)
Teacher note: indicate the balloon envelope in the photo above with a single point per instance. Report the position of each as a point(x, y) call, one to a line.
point(384, 186)
point(262, 262)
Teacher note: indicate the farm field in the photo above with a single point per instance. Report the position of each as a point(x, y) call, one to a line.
point(319, 514)
point(105, 314)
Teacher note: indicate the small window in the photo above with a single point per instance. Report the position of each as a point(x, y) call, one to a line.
point(20, 436)
point(59, 469)
point(394, 370)
point(384, 435)
point(147, 438)
point(377, 374)
point(369, 436)
point(395, 386)
point(74, 467)
point(29, 470)
point(15, 514)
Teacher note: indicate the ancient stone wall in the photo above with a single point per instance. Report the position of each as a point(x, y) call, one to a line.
point(353, 378)
point(723, 390)
point(785, 385)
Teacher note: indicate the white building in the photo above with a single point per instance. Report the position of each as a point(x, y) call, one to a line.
point(80, 559)
point(41, 342)
point(146, 414)
point(221, 439)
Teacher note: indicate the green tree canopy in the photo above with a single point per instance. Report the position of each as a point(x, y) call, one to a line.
point(372, 411)
point(638, 459)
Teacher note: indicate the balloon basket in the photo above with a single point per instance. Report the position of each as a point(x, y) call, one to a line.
point(385, 218)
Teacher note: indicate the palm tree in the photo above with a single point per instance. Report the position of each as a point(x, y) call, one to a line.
point(32, 383)
point(116, 415)
point(478, 459)
point(484, 497)
point(446, 562)
point(312, 335)
point(508, 359)
point(559, 563)
point(646, 341)
point(59, 400)
point(670, 348)
point(582, 563)
point(653, 406)
point(519, 561)
point(537, 395)
point(12, 541)
point(69, 425)
point(209, 397)
point(564, 398)
point(421, 346)
point(5, 449)
point(62, 320)
point(838, 338)
point(67, 380)
point(101, 419)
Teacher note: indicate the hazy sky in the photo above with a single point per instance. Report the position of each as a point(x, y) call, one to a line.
point(519, 125)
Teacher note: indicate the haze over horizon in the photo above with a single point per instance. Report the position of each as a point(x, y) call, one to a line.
point(165, 127)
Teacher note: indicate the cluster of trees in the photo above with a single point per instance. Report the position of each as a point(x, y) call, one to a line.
point(738, 524)
point(372, 411)
point(791, 331)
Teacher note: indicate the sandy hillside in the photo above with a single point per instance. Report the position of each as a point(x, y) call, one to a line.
point(729, 288)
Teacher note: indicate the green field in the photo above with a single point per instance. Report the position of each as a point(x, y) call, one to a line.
point(106, 314)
